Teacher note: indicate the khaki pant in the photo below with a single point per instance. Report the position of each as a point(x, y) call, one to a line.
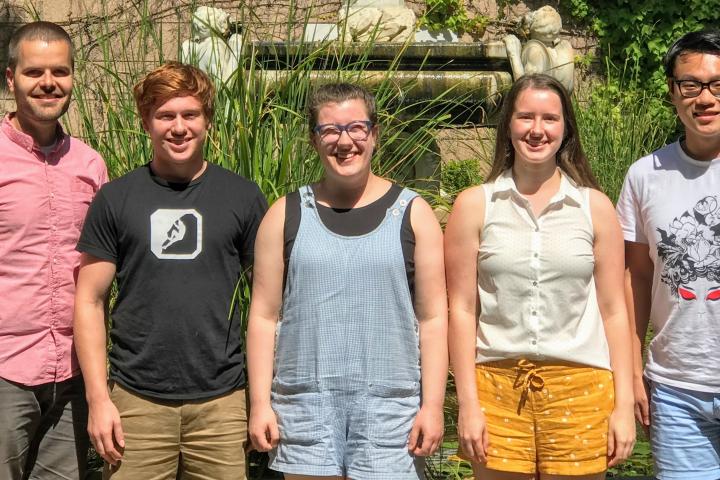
point(165, 440)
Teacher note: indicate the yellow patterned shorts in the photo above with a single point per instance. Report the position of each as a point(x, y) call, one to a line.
point(547, 417)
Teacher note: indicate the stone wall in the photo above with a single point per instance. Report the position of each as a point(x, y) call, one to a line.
point(262, 19)
point(86, 20)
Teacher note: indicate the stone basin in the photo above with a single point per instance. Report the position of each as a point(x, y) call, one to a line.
point(473, 73)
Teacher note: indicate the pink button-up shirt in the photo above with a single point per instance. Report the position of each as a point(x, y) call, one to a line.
point(43, 201)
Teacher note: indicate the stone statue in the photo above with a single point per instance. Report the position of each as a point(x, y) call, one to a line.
point(545, 52)
point(382, 20)
point(210, 47)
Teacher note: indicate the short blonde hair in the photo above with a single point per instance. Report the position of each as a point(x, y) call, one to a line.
point(171, 80)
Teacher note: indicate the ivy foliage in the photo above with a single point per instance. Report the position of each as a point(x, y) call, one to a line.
point(457, 175)
point(451, 14)
point(639, 32)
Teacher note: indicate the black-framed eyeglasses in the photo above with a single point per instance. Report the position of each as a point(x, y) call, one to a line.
point(357, 130)
point(693, 88)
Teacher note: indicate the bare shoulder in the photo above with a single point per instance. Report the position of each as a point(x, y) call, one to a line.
point(472, 197)
point(274, 219)
point(600, 205)
point(603, 213)
point(422, 217)
point(469, 207)
point(420, 208)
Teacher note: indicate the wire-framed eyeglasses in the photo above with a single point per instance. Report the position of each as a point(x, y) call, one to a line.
point(357, 130)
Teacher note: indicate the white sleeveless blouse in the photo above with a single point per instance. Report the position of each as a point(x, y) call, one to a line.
point(535, 278)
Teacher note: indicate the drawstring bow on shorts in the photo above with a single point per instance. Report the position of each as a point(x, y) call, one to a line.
point(528, 378)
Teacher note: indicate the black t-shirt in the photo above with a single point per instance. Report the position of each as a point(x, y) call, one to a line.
point(179, 250)
point(353, 222)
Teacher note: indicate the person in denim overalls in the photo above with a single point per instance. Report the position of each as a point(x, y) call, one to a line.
point(349, 296)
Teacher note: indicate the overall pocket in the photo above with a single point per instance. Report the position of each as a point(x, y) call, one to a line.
point(391, 412)
point(298, 407)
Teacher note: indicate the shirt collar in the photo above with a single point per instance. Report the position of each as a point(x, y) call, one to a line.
point(26, 141)
point(568, 192)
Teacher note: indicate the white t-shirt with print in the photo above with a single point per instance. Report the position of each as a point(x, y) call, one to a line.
point(672, 203)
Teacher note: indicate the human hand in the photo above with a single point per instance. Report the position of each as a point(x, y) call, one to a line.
point(263, 428)
point(105, 430)
point(621, 436)
point(641, 390)
point(473, 433)
point(427, 431)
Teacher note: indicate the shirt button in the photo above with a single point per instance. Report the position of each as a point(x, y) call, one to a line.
point(52, 195)
point(535, 255)
point(534, 312)
point(534, 342)
point(534, 284)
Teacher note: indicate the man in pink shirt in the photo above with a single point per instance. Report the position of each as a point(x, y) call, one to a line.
point(47, 180)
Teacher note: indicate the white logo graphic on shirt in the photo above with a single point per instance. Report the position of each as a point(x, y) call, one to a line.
point(176, 234)
point(690, 249)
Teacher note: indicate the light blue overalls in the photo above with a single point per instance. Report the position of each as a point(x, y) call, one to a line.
point(347, 364)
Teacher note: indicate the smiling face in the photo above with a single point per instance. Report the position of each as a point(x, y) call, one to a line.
point(345, 158)
point(177, 129)
point(42, 80)
point(537, 126)
point(701, 114)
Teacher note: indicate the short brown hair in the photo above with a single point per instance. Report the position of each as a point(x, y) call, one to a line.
point(45, 31)
point(338, 93)
point(171, 80)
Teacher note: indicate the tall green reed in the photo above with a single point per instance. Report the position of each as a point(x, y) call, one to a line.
point(259, 129)
point(620, 122)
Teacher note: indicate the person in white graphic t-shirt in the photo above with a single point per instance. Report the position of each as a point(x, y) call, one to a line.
point(669, 209)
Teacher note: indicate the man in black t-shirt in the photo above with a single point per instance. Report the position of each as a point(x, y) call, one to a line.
point(177, 234)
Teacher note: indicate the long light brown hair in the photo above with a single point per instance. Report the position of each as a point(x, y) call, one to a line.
point(570, 158)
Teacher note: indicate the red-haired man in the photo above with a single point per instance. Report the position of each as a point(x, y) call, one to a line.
point(177, 234)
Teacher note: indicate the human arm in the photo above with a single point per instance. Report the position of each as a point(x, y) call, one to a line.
point(255, 206)
point(462, 240)
point(639, 272)
point(264, 312)
point(94, 280)
point(609, 276)
point(431, 311)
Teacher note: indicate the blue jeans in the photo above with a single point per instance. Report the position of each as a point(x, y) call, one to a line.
point(685, 433)
point(43, 430)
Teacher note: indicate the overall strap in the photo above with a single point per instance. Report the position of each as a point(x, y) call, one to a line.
point(307, 197)
point(401, 202)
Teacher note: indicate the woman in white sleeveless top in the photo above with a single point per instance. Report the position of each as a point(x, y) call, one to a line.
point(539, 337)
